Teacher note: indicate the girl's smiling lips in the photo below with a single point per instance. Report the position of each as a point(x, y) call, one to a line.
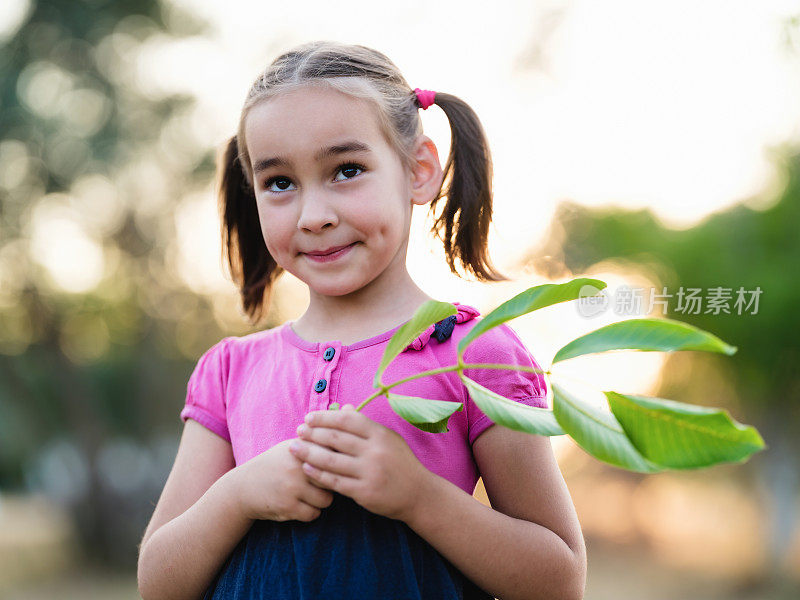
point(328, 251)
point(329, 254)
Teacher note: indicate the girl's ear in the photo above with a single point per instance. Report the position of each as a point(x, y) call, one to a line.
point(427, 175)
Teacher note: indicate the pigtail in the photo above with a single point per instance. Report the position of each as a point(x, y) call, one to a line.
point(468, 188)
point(252, 267)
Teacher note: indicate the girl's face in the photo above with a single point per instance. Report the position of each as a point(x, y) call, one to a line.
point(325, 177)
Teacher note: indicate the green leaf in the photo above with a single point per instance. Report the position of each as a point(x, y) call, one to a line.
point(510, 413)
point(598, 432)
point(334, 406)
point(427, 415)
point(429, 313)
point(664, 335)
point(683, 436)
point(532, 299)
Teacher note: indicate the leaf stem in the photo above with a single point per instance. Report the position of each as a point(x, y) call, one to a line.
point(385, 388)
point(505, 366)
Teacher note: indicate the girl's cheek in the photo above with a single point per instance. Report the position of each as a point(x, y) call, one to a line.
point(271, 239)
point(274, 226)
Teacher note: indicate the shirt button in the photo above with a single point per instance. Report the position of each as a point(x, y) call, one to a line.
point(321, 385)
point(329, 353)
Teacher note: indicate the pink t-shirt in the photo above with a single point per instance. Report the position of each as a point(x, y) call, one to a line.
point(255, 390)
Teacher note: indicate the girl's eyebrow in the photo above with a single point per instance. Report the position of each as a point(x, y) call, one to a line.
point(343, 148)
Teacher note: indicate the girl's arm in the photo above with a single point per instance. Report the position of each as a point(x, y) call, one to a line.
point(180, 555)
point(181, 559)
point(529, 545)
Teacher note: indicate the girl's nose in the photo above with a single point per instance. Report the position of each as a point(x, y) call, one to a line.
point(316, 212)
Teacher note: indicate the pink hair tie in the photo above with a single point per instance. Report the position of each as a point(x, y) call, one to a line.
point(425, 97)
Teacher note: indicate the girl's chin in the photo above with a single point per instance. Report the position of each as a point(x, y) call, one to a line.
point(347, 284)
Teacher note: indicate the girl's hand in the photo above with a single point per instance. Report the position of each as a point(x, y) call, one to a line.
point(347, 452)
point(272, 486)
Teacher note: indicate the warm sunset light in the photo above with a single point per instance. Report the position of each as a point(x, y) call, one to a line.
point(147, 392)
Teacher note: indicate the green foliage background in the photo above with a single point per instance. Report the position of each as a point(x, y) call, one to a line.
point(753, 244)
point(106, 368)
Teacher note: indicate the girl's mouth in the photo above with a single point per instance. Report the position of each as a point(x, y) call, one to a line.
point(332, 256)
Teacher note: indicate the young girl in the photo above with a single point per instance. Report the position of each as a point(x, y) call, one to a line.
point(272, 495)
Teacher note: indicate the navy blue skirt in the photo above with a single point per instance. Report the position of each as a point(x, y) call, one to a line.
point(346, 552)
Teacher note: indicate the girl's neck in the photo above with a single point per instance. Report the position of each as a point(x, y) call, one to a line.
point(350, 320)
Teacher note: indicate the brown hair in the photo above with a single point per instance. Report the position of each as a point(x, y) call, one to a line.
point(463, 225)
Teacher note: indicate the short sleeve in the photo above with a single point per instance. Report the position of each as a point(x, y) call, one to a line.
point(501, 345)
point(205, 391)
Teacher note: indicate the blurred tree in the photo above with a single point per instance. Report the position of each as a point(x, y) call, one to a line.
point(89, 174)
point(742, 247)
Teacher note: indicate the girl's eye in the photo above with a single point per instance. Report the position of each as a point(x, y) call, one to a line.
point(347, 169)
point(269, 183)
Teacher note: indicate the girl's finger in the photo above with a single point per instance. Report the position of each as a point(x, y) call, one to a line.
point(316, 495)
point(349, 420)
point(330, 481)
point(325, 459)
point(343, 441)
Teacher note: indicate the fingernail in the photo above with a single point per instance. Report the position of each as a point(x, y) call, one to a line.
point(295, 445)
point(301, 429)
